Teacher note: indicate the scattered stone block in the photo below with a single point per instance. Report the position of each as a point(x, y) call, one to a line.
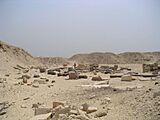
point(58, 103)
point(35, 105)
point(23, 106)
point(83, 76)
point(42, 70)
point(127, 78)
point(36, 76)
point(82, 115)
point(85, 107)
point(47, 116)
point(35, 85)
point(116, 75)
point(26, 98)
point(73, 112)
point(97, 78)
point(148, 75)
point(91, 110)
point(64, 110)
point(39, 111)
point(40, 81)
point(51, 72)
point(73, 75)
point(26, 76)
point(25, 80)
point(101, 114)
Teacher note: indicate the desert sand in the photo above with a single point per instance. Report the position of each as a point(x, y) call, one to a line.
point(24, 88)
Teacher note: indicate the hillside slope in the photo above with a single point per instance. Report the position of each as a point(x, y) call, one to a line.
point(11, 56)
point(111, 58)
point(52, 61)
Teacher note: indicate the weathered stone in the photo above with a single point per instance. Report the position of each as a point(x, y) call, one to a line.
point(116, 75)
point(39, 111)
point(36, 76)
point(82, 115)
point(64, 110)
point(23, 106)
point(62, 74)
point(85, 107)
point(155, 94)
point(91, 110)
point(57, 103)
point(35, 105)
point(26, 98)
point(26, 71)
point(35, 85)
point(73, 75)
point(146, 78)
point(26, 76)
point(97, 78)
point(47, 116)
point(148, 75)
point(25, 80)
point(42, 70)
point(63, 117)
point(83, 76)
point(101, 114)
point(127, 78)
point(73, 112)
point(40, 81)
point(53, 81)
point(51, 72)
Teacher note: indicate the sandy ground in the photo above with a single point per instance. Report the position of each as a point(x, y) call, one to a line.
point(133, 104)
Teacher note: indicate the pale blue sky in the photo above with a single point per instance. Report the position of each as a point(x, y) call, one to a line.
point(66, 27)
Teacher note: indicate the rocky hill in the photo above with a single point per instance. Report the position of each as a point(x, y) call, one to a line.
point(111, 58)
point(52, 61)
point(11, 56)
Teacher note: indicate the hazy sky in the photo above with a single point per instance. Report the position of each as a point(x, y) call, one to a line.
point(66, 27)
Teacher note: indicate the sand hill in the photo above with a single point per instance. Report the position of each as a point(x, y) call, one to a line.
point(111, 58)
point(52, 61)
point(11, 56)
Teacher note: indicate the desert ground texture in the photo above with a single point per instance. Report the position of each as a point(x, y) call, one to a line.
point(78, 88)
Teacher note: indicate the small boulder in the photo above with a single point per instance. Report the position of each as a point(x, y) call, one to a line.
point(101, 114)
point(127, 78)
point(91, 110)
point(47, 116)
point(36, 76)
point(25, 80)
point(51, 72)
point(42, 70)
point(26, 76)
point(83, 76)
point(35, 85)
point(73, 75)
point(97, 78)
point(57, 103)
point(116, 75)
point(39, 111)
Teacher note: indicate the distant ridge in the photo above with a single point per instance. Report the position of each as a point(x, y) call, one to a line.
point(11, 56)
point(122, 58)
